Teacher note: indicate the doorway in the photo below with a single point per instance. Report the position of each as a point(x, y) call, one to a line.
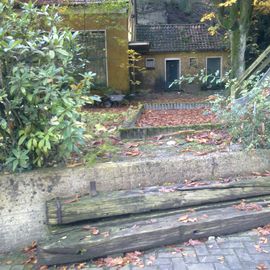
point(172, 73)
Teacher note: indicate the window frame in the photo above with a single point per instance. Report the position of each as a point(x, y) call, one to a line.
point(221, 64)
point(154, 63)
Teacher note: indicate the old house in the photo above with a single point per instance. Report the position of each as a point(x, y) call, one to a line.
point(172, 50)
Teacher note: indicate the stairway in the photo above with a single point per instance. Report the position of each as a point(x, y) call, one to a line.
point(95, 226)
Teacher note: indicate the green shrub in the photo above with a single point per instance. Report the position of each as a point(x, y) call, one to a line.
point(41, 89)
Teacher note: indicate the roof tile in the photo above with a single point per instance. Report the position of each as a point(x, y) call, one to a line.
point(179, 37)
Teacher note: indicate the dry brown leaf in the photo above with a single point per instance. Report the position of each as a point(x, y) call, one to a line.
point(221, 259)
point(31, 248)
point(192, 242)
point(80, 266)
point(166, 190)
point(31, 260)
point(264, 231)
point(43, 267)
point(261, 266)
point(263, 240)
point(131, 257)
point(75, 199)
point(133, 153)
point(187, 219)
point(93, 230)
point(243, 206)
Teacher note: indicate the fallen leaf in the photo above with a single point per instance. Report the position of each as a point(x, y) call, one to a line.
point(263, 240)
point(131, 257)
point(80, 266)
point(187, 219)
point(261, 266)
point(32, 247)
point(133, 153)
point(192, 183)
point(166, 189)
point(243, 206)
point(93, 230)
point(193, 242)
point(75, 199)
point(221, 259)
point(131, 145)
point(43, 267)
point(31, 260)
point(259, 249)
point(264, 231)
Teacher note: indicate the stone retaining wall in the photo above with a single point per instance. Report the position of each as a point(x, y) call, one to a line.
point(23, 196)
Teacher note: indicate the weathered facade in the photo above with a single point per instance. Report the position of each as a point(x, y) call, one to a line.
point(170, 51)
point(105, 38)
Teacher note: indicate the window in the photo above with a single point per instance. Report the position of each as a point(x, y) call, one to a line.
point(94, 53)
point(193, 62)
point(150, 63)
point(213, 66)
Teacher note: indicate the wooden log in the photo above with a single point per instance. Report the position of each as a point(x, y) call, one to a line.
point(79, 245)
point(65, 211)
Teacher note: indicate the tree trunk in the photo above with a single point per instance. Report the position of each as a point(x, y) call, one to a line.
point(238, 39)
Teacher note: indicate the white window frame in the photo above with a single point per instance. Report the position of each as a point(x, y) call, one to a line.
point(165, 66)
point(221, 64)
point(106, 48)
point(152, 59)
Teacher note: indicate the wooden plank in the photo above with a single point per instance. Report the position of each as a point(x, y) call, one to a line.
point(79, 245)
point(134, 218)
point(118, 203)
point(256, 66)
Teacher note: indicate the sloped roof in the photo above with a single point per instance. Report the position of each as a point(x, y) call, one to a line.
point(179, 37)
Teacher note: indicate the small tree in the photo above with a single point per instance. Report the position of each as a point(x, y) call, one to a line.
point(40, 98)
point(135, 68)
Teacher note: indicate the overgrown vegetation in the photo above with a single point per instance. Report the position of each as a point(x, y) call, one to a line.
point(40, 91)
point(248, 117)
point(102, 127)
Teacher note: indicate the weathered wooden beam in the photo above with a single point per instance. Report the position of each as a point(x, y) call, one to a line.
point(261, 62)
point(151, 199)
point(135, 218)
point(79, 244)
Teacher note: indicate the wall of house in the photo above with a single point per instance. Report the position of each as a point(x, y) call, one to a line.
point(116, 26)
point(154, 78)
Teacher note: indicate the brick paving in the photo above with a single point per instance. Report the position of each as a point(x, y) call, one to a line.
point(240, 251)
point(232, 252)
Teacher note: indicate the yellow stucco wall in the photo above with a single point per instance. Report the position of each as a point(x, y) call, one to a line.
point(151, 77)
point(116, 27)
